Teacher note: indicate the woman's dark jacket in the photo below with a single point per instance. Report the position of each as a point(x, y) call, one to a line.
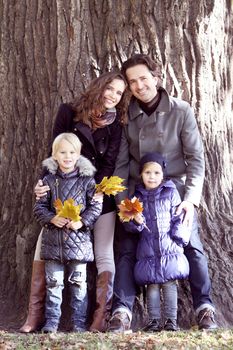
point(160, 256)
point(100, 146)
point(64, 244)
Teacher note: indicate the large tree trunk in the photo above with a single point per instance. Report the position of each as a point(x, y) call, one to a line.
point(49, 51)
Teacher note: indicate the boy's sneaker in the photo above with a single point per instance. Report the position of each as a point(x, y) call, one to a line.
point(119, 323)
point(78, 329)
point(171, 325)
point(153, 326)
point(49, 328)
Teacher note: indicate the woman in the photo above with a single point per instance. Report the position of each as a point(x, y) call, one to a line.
point(96, 118)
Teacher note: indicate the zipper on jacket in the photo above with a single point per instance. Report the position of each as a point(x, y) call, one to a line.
point(61, 246)
point(56, 188)
point(60, 230)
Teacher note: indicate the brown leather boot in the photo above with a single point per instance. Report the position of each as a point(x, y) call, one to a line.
point(35, 318)
point(104, 293)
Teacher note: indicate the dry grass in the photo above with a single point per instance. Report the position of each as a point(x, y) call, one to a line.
point(189, 340)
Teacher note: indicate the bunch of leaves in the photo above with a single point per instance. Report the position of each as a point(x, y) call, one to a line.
point(129, 208)
point(111, 185)
point(68, 210)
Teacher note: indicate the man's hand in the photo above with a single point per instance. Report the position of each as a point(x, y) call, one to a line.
point(59, 221)
point(188, 207)
point(74, 225)
point(40, 190)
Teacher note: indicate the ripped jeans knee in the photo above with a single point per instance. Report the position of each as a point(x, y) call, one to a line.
point(54, 274)
point(77, 279)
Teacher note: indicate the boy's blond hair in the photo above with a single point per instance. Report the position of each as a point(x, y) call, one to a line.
point(71, 138)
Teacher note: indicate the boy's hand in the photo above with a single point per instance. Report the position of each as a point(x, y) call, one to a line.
point(40, 190)
point(59, 221)
point(139, 219)
point(74, 225)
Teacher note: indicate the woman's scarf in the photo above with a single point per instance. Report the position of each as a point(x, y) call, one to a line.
point(103, 120)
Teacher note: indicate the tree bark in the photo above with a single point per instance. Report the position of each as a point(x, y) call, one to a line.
point(49, 52)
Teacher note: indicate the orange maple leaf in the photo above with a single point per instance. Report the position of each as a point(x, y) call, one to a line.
point(129, 208)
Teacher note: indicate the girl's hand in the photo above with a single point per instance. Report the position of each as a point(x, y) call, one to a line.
point(40, 190)
point(139, 219)
point(98, 197)
point(59, 221)
point(74, 225)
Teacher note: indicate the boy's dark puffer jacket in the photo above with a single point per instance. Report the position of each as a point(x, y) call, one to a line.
point(64, 244)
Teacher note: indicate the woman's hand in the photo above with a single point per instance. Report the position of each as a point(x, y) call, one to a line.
point(98, 197)
point(74, 225)
point(59, 221)
point(40, 190)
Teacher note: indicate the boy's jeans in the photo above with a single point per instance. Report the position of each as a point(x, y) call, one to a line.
point(54, 273)
point(169, 290)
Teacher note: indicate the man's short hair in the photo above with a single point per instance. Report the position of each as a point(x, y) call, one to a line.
point(140, 58)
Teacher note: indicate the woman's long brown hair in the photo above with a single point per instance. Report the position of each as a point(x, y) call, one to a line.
point(91, 102)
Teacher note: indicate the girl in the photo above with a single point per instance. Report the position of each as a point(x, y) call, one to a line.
point(67, 244)
point(160, 257)
point(96, 118)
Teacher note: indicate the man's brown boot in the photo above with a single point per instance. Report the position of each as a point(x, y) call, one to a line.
point(120, 323)
point(206, 319)
point(104, 294)
point(35, 318)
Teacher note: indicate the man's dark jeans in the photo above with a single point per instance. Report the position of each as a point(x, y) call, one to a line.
point(125, 287)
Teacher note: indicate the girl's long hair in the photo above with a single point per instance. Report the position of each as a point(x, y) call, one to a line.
point(91, 103)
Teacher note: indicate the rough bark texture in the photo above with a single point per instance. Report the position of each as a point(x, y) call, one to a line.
point(49, 51)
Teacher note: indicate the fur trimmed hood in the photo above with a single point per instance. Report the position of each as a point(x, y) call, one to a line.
point(84, 165)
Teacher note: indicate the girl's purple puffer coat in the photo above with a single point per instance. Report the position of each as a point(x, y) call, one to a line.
point(160, 256)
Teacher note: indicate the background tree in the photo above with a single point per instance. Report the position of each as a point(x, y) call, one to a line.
point(49, 51)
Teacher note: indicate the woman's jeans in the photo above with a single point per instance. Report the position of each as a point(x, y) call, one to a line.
point(54, 273)
point(103, 242)
point(169, 292)
point(125, 288)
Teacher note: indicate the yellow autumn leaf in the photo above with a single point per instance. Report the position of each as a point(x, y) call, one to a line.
point(129, 208)
point(68, 210)
point(111, 185)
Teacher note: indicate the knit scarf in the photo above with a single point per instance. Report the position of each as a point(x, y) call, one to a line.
point(103, 120)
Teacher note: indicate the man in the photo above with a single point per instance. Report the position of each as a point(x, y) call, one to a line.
point(160, 123)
